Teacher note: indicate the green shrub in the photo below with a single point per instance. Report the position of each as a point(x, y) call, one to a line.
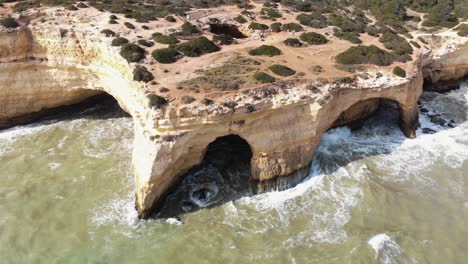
point(163, 39)
point(276, 27)
point(223, 39)
point(170, 19)
point(82, 5)
point(313, 38)
point(9, 22)
point(365, 55)
point(197, 47)
point(129, 25)
point(113, 17)
point(349, 36)
point(271, 13)
point(156, 101)
point(312, 20)
point(281, 70)
point(292, 27)
point(145, 43)
point(258, 26)
point(119, 41)
point(188, 29)
point(293, 42)
point(396, 43)
point(108, 32)
point(71, 8)
point(113, 21)
point(166, 56)
point(262, 77)
point(132, 52)
point(415, 44)
point(399, 72)
point(240, 19)
point(372, 31)
point(141, 74)
point(265, 50)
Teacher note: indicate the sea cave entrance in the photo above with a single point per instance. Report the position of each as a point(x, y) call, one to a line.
point(224, 175)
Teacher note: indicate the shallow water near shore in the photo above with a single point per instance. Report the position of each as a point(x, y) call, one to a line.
point(373, 196)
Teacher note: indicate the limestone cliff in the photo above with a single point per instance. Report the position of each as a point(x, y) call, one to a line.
point(43, 67)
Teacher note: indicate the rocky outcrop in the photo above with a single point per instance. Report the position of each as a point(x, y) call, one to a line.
point(45, 67)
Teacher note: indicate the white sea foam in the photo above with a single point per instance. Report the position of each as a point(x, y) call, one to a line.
point(385, 248)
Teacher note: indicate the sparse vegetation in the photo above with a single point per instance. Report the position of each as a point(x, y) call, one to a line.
point(9, 22)
point(82, 5)
point(108, 32)
point(265, 50)
point(258, 26)
point(129, 25)
point(163, 39)
point(313, 38)
point(119, 41)
point(197, 47)
point(314, 20)
point(145, 43)
point(141, 74)
point(240, 19)
point(462, 30)
point(293, 42)
point(187, 99)
point(349, 36)
point(156, 101)
point(281, 70)
point(132, 52)
point(292, 27)
point(262, 77)
point(170, 19)
point(166, 56)
point(365, 55)
point(398, 71)
point(223, 39)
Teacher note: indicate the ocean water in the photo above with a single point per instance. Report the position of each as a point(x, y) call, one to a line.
point(373, 196)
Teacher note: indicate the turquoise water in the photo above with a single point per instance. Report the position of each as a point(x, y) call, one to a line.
point(373, 196)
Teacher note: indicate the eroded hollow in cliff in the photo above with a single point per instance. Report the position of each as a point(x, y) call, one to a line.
point(226, 29)
point(222, 176)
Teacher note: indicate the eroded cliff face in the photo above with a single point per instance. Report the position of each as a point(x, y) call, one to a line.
point(44, 67)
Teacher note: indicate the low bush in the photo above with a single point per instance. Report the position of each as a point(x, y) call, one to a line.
point(156, 101)
point(314, 20)
point(398, 71)
point(145, 43)
point(71, 8)
point(265, 50)
point(292, 27)
point(313, 38)
point(462, 30)
point(163, 39)
point(271, 13)
point(223, 39)
point(119, 41)
point(141, 74)
point(188, 29)
point(365, 55)
point(352, 37)
point(276, 27)
point(262, 77)
point(197, 47)
point(108, 32)
point(170, 19)
point(113, 21)
point(9, 22)
point(415, 44)
point(281, 70)
point(293, 42)
point(82, 5)
point(240, 19)
point(132, 52)
point(258, 26)
point(396, 43)
point(113, 17)
point(166, 56)
point(129, 25)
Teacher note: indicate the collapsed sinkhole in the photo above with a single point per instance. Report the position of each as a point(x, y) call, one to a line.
point(226, 29)
point(222, 176)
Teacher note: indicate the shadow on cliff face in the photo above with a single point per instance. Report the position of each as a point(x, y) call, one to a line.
point(223, 176)
point(101, 106)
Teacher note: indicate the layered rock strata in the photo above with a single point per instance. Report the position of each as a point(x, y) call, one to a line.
point(43, 68)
